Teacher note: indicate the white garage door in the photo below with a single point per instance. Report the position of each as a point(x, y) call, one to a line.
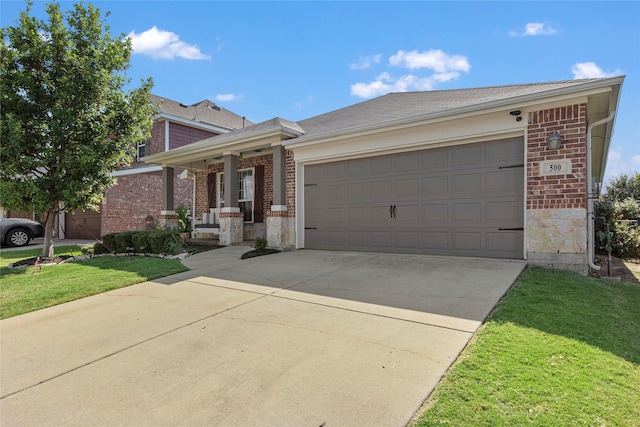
point(463, 200)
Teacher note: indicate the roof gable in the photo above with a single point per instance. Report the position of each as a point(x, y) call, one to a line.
point(205, 112)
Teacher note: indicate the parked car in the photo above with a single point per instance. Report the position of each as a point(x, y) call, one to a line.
point(19, 231)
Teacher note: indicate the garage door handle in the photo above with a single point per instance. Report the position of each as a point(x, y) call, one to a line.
point(394, 211)
point(511, 229)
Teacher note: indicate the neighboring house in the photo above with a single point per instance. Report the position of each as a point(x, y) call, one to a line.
point(469, 172)
point(134, 202)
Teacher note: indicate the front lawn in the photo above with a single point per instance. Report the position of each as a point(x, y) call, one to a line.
point(560, 350)
point(23, 290)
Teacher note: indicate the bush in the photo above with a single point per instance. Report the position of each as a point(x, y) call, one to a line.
point(109, 244)
point(619, 205)
point(261, 244)
point(140, 242)
point(123, 242)
point(184, 224)
point(174, 245)
point(626, 240)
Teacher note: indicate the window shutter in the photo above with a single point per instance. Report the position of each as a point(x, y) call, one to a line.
point(211, 189)
point(258, 196)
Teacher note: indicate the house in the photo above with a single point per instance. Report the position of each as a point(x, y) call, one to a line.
point(500, 172)
point(134, 202)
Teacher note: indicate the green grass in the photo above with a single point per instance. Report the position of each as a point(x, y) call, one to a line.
point(22, 290)
point(560, 350)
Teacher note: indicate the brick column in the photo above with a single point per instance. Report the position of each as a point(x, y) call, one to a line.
point(556, 215)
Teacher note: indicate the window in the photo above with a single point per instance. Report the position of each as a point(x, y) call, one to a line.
point(245, 192)
point(142, 151)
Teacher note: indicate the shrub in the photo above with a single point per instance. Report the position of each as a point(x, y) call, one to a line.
point(184, 224)
point(123, 242)
point(87, 250)
point(173, 245)
point(261, 244)
point(140, 242)
point(619, 204)
point(158, 240)
point(109, 244)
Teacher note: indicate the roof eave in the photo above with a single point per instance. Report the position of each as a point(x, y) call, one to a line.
point(522, 101)
point(220, 145)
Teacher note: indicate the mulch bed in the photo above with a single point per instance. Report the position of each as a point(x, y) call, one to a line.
point(255, 253)
point(30, 262)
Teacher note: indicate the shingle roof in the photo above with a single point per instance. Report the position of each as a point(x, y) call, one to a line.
point(205, 111)
point(405, 105)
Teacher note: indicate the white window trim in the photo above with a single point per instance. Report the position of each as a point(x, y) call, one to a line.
point(220, 197)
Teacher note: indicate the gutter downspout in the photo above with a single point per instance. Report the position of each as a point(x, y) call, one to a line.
point(590, 209)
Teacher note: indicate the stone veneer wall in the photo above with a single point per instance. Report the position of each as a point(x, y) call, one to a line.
point(556, 216)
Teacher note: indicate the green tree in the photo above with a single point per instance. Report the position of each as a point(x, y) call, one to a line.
point(617, 208)
point(66, 119)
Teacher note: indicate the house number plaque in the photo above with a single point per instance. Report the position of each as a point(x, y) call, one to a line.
point(555, 167)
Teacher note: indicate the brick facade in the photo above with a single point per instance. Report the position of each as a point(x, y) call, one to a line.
point(202, 198)
point(557, 191)
point(134, 203)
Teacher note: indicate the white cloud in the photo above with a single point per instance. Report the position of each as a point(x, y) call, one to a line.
point(589, 70)
point(534, 29)
point(386, 83)
point(160, 44)
point(446, 67)
point(365, 62)
point(434, 59)
point(224, 97)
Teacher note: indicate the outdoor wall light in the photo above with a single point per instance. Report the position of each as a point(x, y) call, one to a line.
point(554, 140)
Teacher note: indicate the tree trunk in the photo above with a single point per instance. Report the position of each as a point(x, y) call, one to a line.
point(49, 228)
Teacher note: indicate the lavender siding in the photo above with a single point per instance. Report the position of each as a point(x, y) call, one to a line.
point(181, 135)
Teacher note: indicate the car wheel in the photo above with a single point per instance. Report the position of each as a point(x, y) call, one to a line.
point(18, 237)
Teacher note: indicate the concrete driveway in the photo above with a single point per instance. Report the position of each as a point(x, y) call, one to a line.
point(304, 338)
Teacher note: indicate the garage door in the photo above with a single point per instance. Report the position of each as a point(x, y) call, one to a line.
point(462, 200)
point(90, 220)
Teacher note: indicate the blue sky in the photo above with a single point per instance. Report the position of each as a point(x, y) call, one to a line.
point(296, 60)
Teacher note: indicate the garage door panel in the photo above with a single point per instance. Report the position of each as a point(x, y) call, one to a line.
point(504, 150)
point(357, 191)
point(465, 183)
point(466, 241)
point(435, 240)
point(406, 188)
point(380, 190)
point(503, 241)
point(506, 180)
point(358, 214)
point(468, 154)
point(466, 212)
point(335, 193)
point(407, 240)
point(405, 162)
point(380, 215)
point(502, 212)
point(438, 214)
point(434, 159)
point(433, 186)
point(336, 215)
point(461, 200)
point(406, 215)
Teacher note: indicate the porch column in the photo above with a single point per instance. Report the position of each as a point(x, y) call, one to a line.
point(231, 220)
point(167, 218)
point(279, 225)
point(279, 176)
